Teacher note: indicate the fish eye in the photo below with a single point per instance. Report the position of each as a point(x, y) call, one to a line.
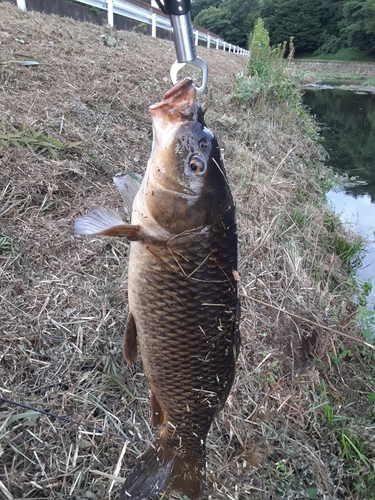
point(197, 165)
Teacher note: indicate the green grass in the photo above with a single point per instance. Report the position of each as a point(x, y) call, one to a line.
point(349, 54)
point(7, 245)
point(27, 137)
point(349, 252)
point(354, 451)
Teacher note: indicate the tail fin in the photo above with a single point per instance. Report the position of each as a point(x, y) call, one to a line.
point(160, 468)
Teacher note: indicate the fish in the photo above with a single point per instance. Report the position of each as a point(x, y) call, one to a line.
point(182, 291)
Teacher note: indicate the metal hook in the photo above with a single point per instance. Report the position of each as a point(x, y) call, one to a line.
point(200, 63)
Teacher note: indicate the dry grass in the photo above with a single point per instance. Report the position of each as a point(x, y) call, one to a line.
point(64, 299)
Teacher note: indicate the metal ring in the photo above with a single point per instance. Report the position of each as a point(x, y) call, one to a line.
point(200, 63)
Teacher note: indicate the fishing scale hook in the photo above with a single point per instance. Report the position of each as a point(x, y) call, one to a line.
point(179, 13)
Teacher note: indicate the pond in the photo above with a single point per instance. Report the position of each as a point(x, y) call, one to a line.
point(347, 123)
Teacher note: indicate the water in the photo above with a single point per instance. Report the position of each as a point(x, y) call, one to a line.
point(348, 130)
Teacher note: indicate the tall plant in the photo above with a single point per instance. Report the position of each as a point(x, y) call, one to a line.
point(267, 77)
point(260, 51)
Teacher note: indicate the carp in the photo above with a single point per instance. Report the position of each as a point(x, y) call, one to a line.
point(183, 301)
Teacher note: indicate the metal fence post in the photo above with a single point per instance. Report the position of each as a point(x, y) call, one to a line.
point(153, 30)
point(208, 41)
point(21, 4)
point(110, 12)
point(196, 37)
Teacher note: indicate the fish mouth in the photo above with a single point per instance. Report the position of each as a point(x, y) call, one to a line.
point(178, 104)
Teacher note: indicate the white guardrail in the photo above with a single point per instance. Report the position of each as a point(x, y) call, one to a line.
point(141, 15)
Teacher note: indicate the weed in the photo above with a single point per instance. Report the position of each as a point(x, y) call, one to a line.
point(353, 449)
point(337, 358)
point(35, 141)
point(267, 78)
point(366, 287)
point(349, 252)
point(300, 218)
point(283, 474)
point(327, 407)
point(142, 27)
point(7, 245)
point(330, 222)
point(366, 319)
point(95, 10)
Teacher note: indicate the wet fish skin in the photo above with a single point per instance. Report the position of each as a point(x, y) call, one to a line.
point(183, 305)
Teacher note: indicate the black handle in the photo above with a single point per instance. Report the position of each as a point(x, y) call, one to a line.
point(177, 7)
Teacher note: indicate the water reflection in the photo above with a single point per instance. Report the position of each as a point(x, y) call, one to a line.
point(348, 130)
point(348, 133)
point(359, 213)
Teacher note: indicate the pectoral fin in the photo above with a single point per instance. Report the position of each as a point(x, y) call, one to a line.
point(130, 341)
point(104, 221)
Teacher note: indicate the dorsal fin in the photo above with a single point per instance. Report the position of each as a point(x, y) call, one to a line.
point(128, 186)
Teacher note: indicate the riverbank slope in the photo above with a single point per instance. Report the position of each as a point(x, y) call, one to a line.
point(303, 386)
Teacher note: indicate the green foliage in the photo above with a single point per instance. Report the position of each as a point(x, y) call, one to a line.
point(340, 356)
point(355, 452)
point(349, 251)
point(297, 18)
point(198, 5)
point(260, 61)
point(320, 27)
point(7, 245)
point(213, 19)
point(366, 319)
point(300, 218)
point(333, 53)
point(142, 27)
point(267, 78)
point(358, 25)
point(228, 19)
point(35, 141)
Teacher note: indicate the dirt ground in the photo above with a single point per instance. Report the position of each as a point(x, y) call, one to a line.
point(67, 125)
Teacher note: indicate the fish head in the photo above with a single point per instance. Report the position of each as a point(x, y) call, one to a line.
point(185, 185)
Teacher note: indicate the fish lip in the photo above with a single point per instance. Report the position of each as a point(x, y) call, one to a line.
point(181, 97)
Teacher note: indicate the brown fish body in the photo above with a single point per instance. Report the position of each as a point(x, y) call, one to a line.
point(183, 307)
point(185, 289)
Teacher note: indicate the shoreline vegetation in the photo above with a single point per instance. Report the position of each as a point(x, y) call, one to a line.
point(299, 422)
point(358, 76)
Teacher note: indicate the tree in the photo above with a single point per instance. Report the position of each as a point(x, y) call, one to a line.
point(298, 18)
point(237, 12)
point(213, 19)
point(331, 16)
point(369, 17)
point(198, 5)
point(253, 15)
point(358, 24)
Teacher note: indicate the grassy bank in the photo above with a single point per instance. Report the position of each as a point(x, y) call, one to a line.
point(349, 54)
point(299, 421)
point(312, 71)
